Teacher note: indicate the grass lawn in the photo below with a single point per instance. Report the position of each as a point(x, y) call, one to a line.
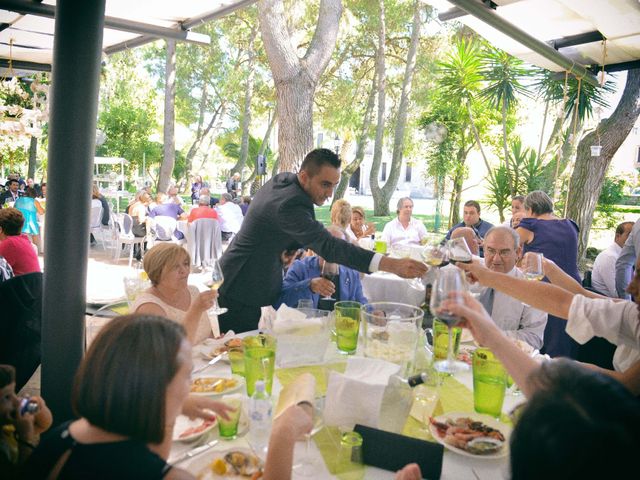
point(323, 214)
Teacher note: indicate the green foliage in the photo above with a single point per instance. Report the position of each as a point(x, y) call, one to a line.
point(527, 168)
point(499, 196)
point(503, 74)
point(612, 192)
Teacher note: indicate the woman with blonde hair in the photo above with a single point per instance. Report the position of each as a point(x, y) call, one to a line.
point(168, 266)
point(341, 213)
point(358, 228)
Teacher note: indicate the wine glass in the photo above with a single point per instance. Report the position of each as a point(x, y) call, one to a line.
point(307, 465)
point(459, 251)
point(435, 254)
point(532, 266)
point(404, 251)
point(449, 285)
point(330, 271)
point(214, 281)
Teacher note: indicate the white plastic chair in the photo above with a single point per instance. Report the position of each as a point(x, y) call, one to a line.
point(164, 229)
point(125, 236)
point(205, 241)
point(94, 323)
point(96, 222)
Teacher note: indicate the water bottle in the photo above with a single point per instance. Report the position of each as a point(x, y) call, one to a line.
point(397, 400)
point(260, 418)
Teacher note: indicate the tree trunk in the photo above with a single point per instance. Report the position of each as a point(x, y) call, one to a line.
point(296, 78)
point(246, 185)
point(201, 134)
point(246, 115)
point(380, 206)
point(544, 124)
point(33, 157)
point(403, 107)
point(169, 159)
point(456, 197)
point(360, 145)
point(505, 146)
point(589, 172)
point(476, 135)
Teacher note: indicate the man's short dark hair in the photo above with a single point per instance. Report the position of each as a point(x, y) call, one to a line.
point(472, 203)
point(122, 381)
point(10, 181)
point(620, 228)
point(11, 221)
point(317, 158)
point(7, 375)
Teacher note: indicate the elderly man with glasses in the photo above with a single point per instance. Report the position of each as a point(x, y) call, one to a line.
point(501, 252)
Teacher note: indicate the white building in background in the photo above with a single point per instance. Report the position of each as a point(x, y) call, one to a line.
point(411, 182)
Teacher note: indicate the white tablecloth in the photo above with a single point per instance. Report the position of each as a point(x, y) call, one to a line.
point(387, 287)
point(454, 466)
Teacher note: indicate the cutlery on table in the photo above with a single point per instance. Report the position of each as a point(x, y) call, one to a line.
point(207, 365)
point(195, 451)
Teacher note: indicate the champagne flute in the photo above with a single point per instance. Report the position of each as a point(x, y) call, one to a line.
point(307, 465)
point(330, 271)
point(459, 251)
point(214, 281)
point(532, 266)
point(449, 285)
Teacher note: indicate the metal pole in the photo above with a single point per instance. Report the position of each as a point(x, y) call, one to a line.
point(72, 137)
point(491, 18)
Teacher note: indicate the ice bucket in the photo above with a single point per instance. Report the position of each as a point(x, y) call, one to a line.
point(391, 331)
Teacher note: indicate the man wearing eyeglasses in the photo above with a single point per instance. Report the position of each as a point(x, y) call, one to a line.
point(501, 252)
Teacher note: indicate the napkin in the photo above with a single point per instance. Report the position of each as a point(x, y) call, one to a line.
point(302, 389)
point(289, 320)
point(356, 396)
point(391, 451)
point(267, 315)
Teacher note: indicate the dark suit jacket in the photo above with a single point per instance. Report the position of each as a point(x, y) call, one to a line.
point(281, 217)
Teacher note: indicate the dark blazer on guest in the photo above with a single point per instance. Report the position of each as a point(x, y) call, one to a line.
point(281, 217)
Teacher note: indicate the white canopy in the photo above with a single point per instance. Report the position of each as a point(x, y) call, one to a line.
point(110, 161)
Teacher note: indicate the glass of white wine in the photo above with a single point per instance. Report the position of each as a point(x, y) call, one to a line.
point(214, 281)
point(532, 266)
point(435, 255)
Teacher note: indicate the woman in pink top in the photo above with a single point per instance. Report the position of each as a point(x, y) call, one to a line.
point(15, 247)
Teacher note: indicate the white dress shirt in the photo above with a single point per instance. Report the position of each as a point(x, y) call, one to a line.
point(603, 275)
point(230, 217)
point(516, 319)
point(614, 321)
point(394, 233)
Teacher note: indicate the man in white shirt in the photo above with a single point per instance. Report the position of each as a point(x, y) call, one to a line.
point(404, 230)
point(603, 276)
point(501, 251)
point(229, 215)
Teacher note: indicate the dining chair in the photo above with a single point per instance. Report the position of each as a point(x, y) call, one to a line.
point(205, 241)
point(94, 323)
point(125, 236)
point(95, 224)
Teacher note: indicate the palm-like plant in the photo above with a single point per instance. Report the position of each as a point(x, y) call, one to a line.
point(503, 73)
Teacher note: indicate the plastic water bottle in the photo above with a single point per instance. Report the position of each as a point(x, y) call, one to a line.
point(397, 400)
point(260, 410)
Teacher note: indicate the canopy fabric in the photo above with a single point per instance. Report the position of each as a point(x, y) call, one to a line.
point(29, 38)
point(110, 161)
point(617, 20)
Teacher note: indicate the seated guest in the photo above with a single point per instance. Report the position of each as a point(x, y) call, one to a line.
point(196, 186)
point(471, 219)
point(404, 229)
point(203, 210)
point(341, 214)
point(357, 228)
point(168, 266)
point(603, 276)
point(97, 199)
point(11, 192)
point(229, 215)
point(19, 432)
point(43, 190)
point(501, 251)
point(470, 237)
point(517, 212)
point(167, 208)
point(172, 193)
point(139, 210)
point(15, 247)
point(205, 191)
point(304, 281)
point(244, 206)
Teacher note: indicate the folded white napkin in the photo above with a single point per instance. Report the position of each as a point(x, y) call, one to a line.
point(267, 315)
point(356, 396)
point(290, 320)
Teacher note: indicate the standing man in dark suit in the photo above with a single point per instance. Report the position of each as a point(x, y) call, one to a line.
point(281, 218)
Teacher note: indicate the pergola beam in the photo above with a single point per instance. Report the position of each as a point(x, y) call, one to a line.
point(49, 11)
point(494, 20)
point(22, 65)
point(579, 39)
point(457, 12)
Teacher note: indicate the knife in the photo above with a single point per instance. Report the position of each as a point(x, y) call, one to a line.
point(211, 362)
point(196, 451)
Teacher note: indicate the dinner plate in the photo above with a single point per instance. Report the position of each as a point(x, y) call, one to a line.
point(201, 466)
point(189, 430)
point(487, 420)
point(239, 385)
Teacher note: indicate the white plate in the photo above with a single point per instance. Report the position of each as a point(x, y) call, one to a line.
point(201, 465)
point(487, 420)
point(184, 423)
point(239, 385)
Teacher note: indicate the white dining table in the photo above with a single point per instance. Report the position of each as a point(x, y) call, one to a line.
point(454, 466)
point(388, 287)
